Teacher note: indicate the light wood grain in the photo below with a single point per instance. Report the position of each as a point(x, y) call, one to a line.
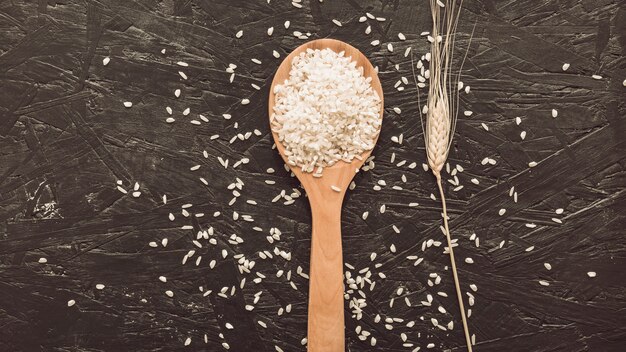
point(326, 310)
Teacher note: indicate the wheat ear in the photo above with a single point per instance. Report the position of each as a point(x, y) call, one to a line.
point(441, 117)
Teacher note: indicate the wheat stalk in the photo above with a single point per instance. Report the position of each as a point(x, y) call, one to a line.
point(441, 115)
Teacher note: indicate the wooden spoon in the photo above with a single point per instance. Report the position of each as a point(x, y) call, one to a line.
point(326, 321)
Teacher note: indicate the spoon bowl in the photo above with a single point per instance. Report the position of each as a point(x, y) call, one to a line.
point(326, 311)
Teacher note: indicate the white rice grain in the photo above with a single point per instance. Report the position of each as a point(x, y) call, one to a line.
point(340, 96)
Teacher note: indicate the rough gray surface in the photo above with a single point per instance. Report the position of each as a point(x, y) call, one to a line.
point(65, 138)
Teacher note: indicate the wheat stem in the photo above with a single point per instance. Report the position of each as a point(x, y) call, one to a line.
point(441, 116)
point(453, 263)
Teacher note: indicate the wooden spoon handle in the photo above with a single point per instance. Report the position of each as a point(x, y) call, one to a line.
point(326, 324)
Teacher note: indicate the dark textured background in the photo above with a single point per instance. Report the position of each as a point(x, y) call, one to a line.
point(65, 138)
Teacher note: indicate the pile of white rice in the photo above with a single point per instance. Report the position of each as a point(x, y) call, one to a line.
point(326, 111)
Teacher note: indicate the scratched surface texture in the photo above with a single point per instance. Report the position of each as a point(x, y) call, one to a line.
point(66, 138)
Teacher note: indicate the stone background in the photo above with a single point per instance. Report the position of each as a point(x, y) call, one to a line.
point(66, 138)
